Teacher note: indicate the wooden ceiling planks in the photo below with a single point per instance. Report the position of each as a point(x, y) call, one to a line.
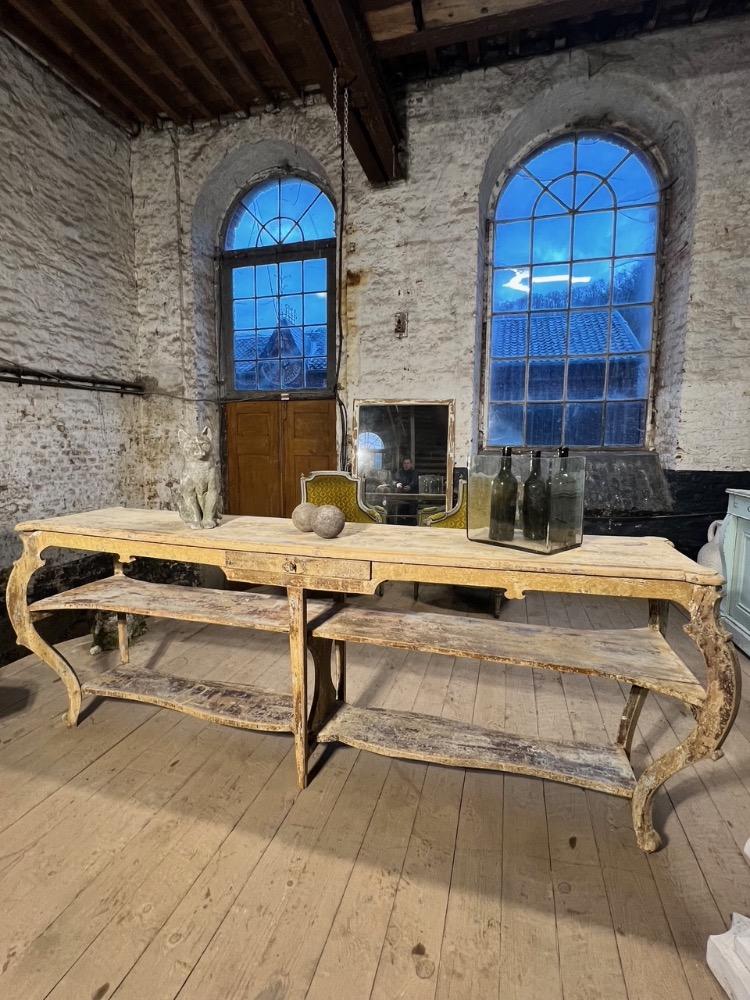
point(146, 61)
point(184, 60)
point(265, 44)
point(392, 21)
point(192, 50)
point(439, 13)
point(99, 41)
point(225, 42)
point(134, 32)
point(519, 14)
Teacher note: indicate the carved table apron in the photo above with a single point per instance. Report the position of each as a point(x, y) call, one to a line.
point(271, 551)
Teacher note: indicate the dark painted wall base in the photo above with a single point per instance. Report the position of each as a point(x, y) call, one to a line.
point(698, 498)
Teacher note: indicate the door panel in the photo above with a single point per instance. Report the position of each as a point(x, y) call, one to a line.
point(270, 444)
point(254, 458)
point(309, 436)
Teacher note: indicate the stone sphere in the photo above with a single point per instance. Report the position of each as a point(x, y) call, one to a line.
point(328, 521)
point(303, 516)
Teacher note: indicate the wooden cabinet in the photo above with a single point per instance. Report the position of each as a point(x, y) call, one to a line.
point(736, 555)
point(269, 445)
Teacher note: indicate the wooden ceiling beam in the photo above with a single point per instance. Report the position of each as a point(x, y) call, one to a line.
point(541, 15)
point(266, 46)
point(98, 41)
point(140, 41)
point(36, 16)
point(39, 45)
point(181, 40)
point(232, 53)
point(321, 63)
point(349, 42)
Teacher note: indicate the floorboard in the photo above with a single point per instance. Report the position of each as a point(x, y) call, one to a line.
point(152, 855)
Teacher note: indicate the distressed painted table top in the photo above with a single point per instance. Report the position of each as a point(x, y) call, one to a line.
point(619, 557)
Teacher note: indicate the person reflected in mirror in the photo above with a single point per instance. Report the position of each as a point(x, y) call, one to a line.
point(406, 481)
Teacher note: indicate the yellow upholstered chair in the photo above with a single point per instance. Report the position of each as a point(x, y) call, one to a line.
point(457, 517)
point(340, 489)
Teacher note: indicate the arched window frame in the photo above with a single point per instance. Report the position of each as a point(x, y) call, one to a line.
point(229, 260)
point(645, 149)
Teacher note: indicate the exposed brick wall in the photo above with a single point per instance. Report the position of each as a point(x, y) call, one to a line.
point(67, 299)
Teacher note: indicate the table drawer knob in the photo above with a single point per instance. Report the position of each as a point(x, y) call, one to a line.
point(290, 567)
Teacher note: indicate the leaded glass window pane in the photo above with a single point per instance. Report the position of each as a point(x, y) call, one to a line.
point(572, 290)
point(279, 254)
point(281, 211)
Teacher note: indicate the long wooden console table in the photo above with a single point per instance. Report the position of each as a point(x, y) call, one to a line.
point(272, 551)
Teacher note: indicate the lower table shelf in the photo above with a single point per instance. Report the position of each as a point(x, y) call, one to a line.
point(444, 741)
point(241, 609)
point(235, 705)
point(639, 656)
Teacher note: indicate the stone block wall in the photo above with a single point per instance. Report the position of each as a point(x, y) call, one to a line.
point(67, 300)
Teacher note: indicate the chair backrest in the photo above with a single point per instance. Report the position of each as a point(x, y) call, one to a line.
point(340, 489)
point(456, 517)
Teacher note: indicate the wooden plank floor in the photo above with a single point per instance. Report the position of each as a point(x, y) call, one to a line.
point(148, 855)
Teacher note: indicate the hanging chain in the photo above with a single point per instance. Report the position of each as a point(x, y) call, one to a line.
point(342, 136)
point(345, 138)
point(335, 103)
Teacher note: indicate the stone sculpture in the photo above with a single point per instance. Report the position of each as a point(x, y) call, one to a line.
point(200, 496)
point(104, 634)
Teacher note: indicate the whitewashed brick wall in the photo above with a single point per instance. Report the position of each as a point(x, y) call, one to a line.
point(67, 299)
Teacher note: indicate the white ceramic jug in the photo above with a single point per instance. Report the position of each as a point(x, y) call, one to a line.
point(710, 553)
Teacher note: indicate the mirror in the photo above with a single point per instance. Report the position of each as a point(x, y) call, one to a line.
point(403, 453)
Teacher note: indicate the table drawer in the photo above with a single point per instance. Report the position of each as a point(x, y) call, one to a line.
point(299, 566)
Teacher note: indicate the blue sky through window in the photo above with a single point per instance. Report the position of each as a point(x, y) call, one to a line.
point(571, 299)
point(281, 211)
point(280, 307)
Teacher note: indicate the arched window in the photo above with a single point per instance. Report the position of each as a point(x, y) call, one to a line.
point(574, 242)
point(278, 287)
point(370, 451)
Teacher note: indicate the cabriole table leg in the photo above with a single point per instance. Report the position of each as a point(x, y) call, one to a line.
point(24, 568)
point(713, 719)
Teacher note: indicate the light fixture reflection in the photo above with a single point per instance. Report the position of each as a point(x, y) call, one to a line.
point(521, 275)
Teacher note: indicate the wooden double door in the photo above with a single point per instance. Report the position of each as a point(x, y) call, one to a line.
point(269, 445)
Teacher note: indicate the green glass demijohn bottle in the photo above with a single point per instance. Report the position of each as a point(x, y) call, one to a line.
point(535, 502)
point(503, 503)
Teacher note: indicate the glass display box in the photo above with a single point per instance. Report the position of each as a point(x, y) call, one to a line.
point(527, 500)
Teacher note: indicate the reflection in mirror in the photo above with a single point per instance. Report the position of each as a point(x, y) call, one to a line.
point(404, 456)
